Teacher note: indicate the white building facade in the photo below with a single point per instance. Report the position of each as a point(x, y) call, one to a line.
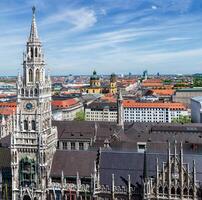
point(137, 112)
point(153, 112)
point(196, 109)
point(101, 112)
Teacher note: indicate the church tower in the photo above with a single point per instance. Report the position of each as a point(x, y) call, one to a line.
point(113, 86)
point(33, 141)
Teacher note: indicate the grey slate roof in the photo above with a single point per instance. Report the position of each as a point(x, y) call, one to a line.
point(68, 130)
point(71, 162)
point(121, 164)
point(5, 157)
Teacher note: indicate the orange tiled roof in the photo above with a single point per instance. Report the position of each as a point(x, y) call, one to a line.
point(152, 84)
point(8, 104)
point(168, 92)
point(7, 111)
point(109, 98)
point(64, 103)
point(134, 104)
point(128, 81)
point(153, 81)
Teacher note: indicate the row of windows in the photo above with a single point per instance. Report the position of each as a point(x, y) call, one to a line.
point(29, 93)
point(73, 145)
point(31, 75)
point(26, 125)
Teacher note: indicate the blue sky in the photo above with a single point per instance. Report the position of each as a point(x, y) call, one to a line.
point(107, 35)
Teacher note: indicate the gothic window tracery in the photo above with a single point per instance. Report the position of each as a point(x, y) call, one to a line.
point(32, 53)
point(27, 172)
point(36, 52)
point(37, 75)
point(166, 190)
point(30, 75)
point(25, 124)
point(178, 191)
point(191, 191)
point(35, 91)
point(173, 190)
point(185, 191)
point(160, 189)
point(22, 91)
point(31, 92)
point(33, 125)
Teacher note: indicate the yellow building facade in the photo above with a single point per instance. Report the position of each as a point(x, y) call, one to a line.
point(95, 86)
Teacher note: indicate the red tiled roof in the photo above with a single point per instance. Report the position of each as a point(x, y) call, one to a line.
point(8, 104)
point(152, 84)
point(109, 98)
point(134, 104)
point(153, 81)
point(64, 103)
point(7, 111)
point(163, 92)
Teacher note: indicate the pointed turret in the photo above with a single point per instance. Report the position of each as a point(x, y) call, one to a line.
point(33, 37)
point(120, 111)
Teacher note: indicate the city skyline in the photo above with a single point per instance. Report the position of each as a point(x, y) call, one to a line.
point(110, 37)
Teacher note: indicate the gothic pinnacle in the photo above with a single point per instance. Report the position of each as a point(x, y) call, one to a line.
point(33, 32)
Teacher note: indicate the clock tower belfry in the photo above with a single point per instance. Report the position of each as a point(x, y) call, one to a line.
point(33, 141)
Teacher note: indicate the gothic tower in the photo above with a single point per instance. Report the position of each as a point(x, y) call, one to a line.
point(33, 141)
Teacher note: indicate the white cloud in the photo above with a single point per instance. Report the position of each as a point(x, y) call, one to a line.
point(80, 19)
point(154, 7)
point(178, 39)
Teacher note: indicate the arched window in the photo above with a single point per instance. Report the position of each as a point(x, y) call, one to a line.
point(185, 191)
point(32, 52)
point(30, 75)
point(191, 192)
point(31, 92)
point(33, 125)
point(25, 125)
point(37, 75)
point(35, 92)
point(27, 170)
point(160, 189)
point(178, 191)
point(172, 190)
point(22, 91)
point(36, 52)
point(166, 190)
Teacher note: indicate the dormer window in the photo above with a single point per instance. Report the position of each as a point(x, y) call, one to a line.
point(141, 147)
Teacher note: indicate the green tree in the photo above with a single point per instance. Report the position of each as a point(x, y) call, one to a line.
point(182, 119)
point(80, 116)
point(197, 82)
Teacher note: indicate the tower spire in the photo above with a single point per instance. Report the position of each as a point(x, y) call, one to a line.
point(33, 32)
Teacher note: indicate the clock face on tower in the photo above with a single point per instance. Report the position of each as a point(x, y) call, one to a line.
point(29, 106)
